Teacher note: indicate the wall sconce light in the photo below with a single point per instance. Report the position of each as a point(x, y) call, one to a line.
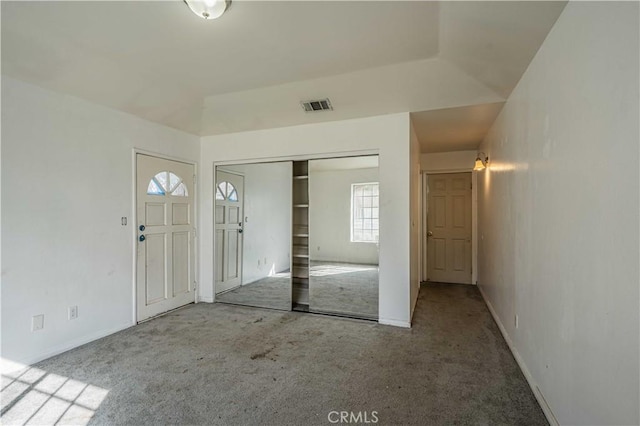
point(208, 9)
point(481, 161)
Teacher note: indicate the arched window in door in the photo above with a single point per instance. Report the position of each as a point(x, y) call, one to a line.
point(226, 191)
point(167, 183)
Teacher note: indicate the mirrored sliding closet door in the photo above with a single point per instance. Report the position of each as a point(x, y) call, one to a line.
point(343, 236)
point(253, 234)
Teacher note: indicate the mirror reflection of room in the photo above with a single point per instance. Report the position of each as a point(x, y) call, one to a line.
point(253, 234)
point(343, 236)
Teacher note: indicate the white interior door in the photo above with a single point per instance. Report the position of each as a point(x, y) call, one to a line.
point(165, 225)
point(228, 220)
point(449, 228)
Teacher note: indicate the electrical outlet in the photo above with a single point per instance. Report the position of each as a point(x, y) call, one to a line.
point(73, 312)
point(516, 321)
point(37, 322)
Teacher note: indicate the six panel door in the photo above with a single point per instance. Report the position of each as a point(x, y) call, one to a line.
point(449, 228)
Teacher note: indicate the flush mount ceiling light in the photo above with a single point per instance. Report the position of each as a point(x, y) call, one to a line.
point(208, 9)
point(481, 161)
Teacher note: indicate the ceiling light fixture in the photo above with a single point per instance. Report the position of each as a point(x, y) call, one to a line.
point(208, 9)
point(481, 161)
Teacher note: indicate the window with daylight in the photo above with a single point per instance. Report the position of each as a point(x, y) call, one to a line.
point(364, 213)
point(226, 191)
point(167, 183)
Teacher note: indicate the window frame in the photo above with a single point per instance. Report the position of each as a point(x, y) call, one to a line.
point(352, 215)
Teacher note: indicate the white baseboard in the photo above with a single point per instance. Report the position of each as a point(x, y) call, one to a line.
point(207, 299)
point(527, 374)
point(395, 323)
point(64, 347)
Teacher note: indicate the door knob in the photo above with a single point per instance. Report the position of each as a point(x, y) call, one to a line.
point(141, 238)
point(240, 231)
point(141, 228)
point(429, 234)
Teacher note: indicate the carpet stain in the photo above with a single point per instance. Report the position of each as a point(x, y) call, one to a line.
point(262, 354)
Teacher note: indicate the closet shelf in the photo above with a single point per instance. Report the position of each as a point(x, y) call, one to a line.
point(300, 231)
point(300, 248)
point(304, 277)
point(300, 251)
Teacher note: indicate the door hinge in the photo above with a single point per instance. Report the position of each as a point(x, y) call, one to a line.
point(195, 233)
point(195, 285)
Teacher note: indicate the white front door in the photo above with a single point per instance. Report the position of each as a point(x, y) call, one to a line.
point(449, 228)
point(165, 276)
point(228, 219)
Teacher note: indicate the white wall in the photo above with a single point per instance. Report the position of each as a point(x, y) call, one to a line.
point(386, 135)
point(559, 216)
point(267, 225)
point(67, 170)
point(415, 215)
point(330, 216)
point(454, 161)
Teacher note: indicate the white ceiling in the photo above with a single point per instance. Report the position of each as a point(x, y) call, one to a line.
point(249, 69)
point(495, 41)
point(408, 86)
point(454, 129)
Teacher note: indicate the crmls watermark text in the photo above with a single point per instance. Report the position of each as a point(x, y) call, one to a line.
point(352, 417)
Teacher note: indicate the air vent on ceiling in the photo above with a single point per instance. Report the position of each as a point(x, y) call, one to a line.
point(315, 106)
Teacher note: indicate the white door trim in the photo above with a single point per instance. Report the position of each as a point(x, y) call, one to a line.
point(474, 219)
point(318, 156)
point(134, 215)
point(231, 172)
